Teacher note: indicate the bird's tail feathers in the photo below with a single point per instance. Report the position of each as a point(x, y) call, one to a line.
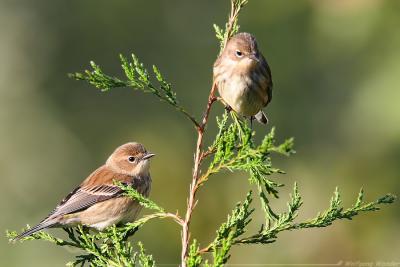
point(37, 228)
point(261, 118)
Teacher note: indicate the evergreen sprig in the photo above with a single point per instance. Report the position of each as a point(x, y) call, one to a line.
point(232, 26)
point(194, 259)
point(106, 248)
point(236, 222)
point(285, 220)
point(230, 232)
point(129, 191)
point(336, 211)
point(233, 149)
point(234, 227)
point(138, 78)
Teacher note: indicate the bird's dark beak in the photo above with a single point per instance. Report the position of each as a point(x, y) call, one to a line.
point(148, 155)
point(254, 57)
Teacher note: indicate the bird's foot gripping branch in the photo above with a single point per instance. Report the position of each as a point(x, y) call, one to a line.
point(233, 149)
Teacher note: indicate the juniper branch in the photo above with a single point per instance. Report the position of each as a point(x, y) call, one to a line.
point(138, 78)
point(285, 220)
point(129, 191)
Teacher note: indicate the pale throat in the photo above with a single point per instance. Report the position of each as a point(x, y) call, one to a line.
point(142, 169)
point(243, 66)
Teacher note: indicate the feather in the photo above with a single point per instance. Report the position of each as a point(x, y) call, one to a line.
point(261, 118)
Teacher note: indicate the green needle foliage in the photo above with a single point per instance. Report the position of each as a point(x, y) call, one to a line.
point(233, 149)
point(137, 77)
point(107, 248)
point(132, 193)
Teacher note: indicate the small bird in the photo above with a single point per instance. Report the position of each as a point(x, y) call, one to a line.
point(243, 77)
point(97, 202)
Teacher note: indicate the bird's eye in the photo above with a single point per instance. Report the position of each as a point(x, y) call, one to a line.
point(238, 53)
point(131, 159)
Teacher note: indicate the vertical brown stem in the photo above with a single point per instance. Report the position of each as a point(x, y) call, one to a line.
point(191, 203)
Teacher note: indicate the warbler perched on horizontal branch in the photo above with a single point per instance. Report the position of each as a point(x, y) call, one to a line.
point(243, 77)
point(97, 202)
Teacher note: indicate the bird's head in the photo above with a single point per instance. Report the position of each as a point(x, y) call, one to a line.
point(130, 159)
point(242, 51)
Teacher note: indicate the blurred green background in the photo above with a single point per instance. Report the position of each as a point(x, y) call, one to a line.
point(336, 71)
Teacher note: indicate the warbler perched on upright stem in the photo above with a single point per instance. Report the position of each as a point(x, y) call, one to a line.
point(243, 77)
point(97, 202)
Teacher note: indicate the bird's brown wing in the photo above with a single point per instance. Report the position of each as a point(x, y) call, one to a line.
point(84, 197)
point(79, 199)
point(268, 75)
point(98, 187)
